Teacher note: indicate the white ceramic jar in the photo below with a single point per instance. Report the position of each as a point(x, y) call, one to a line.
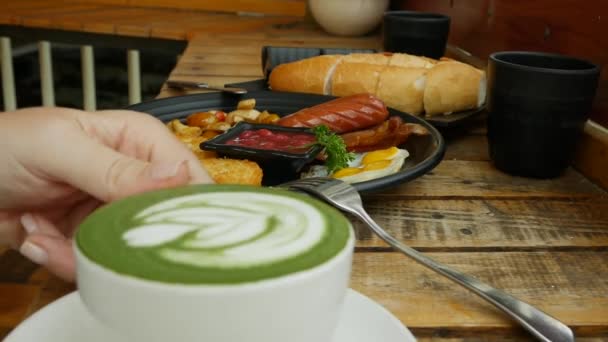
point(348, 17)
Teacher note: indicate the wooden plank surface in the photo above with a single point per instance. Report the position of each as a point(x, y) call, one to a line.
point(488, 224)
point(467, 147)
point(301, 34)
point(16, 302)
point(51, 289)
point(44, 17)
point(275, 7)
point(571, 286)
point(130, 18)
point(479, 179)
point(592, 154)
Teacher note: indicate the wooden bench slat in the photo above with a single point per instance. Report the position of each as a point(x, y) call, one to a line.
point(274, 7)
point(47, 17)
point(485, 225)
point(172, 24)
point(307, 37)
point(130, 19)
point(52, 289)
point(467, 147)
point(592, 155)
point(569, 286)
point(142, 21)
point(14, 10)
point(479, 179)
point(16, 302)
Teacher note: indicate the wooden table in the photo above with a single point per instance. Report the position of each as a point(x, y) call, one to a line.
point(113, 18)
point(544, 241)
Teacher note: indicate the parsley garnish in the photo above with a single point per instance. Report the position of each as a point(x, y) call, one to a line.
point(335, 149)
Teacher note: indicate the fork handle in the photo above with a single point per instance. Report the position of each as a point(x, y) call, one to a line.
point(203, 85)
point(540, 324)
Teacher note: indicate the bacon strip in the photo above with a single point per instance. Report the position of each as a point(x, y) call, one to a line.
point(392, 132)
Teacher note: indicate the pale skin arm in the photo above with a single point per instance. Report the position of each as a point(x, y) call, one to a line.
point(58, 165)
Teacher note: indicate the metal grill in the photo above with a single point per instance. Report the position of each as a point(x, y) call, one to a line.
point(46, 75)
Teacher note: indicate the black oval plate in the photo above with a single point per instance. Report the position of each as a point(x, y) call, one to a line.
point(425, 152)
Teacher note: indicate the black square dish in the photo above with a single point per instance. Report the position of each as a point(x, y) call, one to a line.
point(275, 158)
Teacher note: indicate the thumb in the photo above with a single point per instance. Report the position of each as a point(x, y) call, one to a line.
point(128, 176)
point(108, 175)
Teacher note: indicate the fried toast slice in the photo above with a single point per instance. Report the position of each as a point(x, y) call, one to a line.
point(233, 171)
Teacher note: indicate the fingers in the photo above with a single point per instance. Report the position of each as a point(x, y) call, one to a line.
point(109, 155)
point(108, 174)
point(37, 224)
point(148, 139)
point(50, 245)
point(60, 262)
point(120, 153)
point(46, 246)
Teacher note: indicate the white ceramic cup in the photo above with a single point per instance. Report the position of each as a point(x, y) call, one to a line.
point(300, 307)
point(348, 17)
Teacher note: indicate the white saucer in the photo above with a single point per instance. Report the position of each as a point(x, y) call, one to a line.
point(67, 320)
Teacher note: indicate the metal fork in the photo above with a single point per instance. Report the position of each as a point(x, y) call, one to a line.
point(203, 85)
point(345, 197)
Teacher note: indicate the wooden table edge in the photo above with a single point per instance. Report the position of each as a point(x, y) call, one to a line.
point(591, 157)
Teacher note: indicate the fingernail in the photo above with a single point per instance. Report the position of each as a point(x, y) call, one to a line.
point(165, 170)
point(34, 253)
point(28, 223)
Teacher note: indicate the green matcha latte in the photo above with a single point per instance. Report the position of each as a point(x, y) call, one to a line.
point(213, 234)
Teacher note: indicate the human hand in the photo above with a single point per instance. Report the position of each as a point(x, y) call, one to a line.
point(60, 164)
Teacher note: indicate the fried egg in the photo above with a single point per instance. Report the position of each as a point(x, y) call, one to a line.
point(366, 166)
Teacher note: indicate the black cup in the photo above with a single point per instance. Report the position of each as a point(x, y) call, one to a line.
point(537, 106)
point(416, 33)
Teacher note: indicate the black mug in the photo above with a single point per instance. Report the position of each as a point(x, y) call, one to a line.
point(538, 104)
point(416, 33)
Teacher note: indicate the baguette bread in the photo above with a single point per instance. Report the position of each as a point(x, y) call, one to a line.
point(367, 58)
point(355, 78)
point(453, 86)
point(403, 88)
point(410, 61)
point(405, 82)
point(311, 75)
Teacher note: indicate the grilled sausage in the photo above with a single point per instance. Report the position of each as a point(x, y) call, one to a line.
point(345, 114)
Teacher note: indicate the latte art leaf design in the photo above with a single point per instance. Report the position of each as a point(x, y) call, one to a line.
point(221, 230)
point(213, 234)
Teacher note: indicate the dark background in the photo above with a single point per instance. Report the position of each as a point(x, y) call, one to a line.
point(572, 27)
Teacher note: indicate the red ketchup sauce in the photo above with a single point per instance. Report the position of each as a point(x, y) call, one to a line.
point(264, 139)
